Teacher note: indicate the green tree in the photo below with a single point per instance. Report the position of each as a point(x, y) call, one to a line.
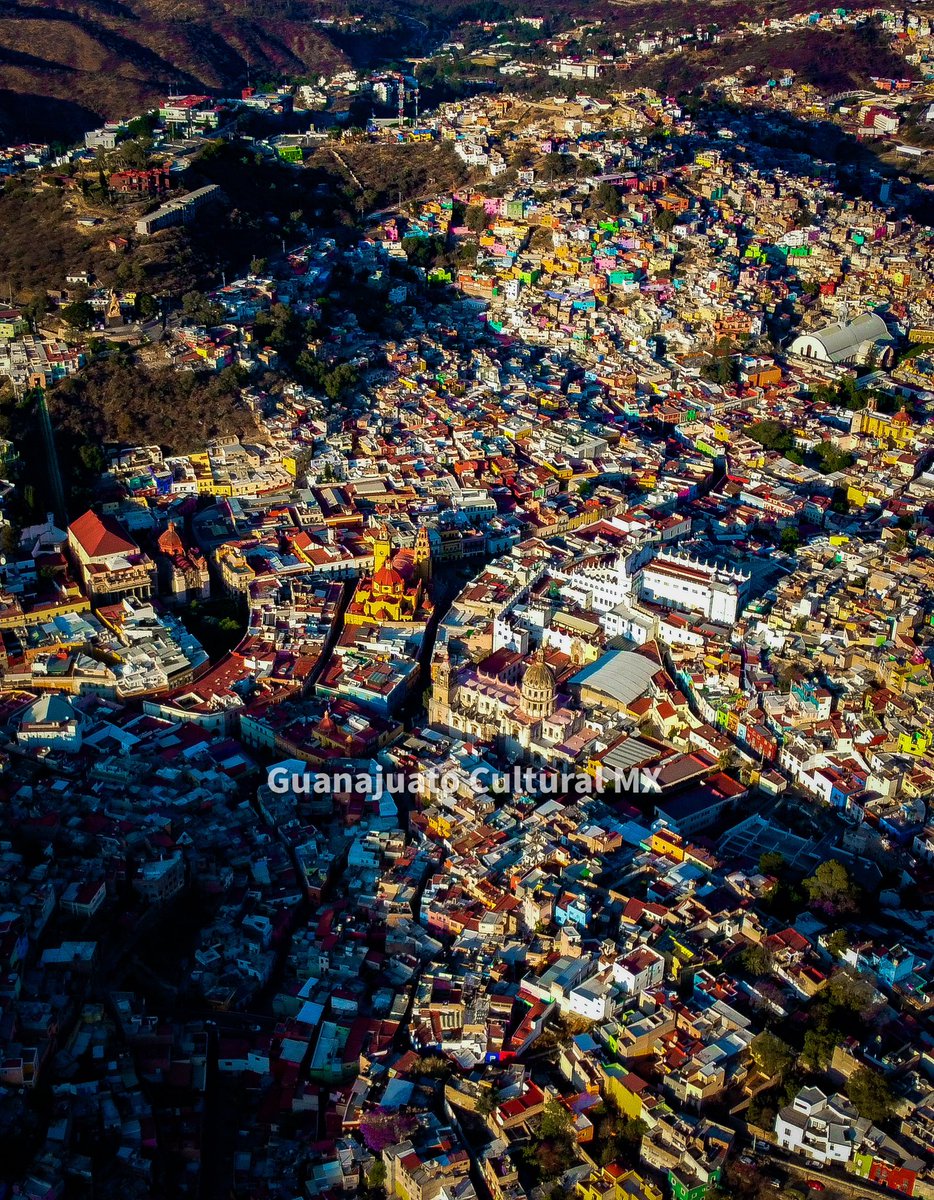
point(838, 943)
point(79, 317)
point(143, 125)
point(605, 197)
point(819, 1045)
point(136, 152)
point(9, 539)
point(280, 328)
point(475, 218)
point(664, 221)
point(36, 309)
point(770, 1054)
point(92, 458)
point(197, 307)
point(773, 435)
point(466, 253)
point(831, 458)
point(847, 994)
point(757, 960)
point(790, 538)
point(830, 887)
point(772, 862)
point(147, 306)
point(871, 1094)
point(762, 1110)
point(421, 251)
point(719, 369)
point(632, 1130)
point(556, 1121)
point(340, 381)
point(556, 166)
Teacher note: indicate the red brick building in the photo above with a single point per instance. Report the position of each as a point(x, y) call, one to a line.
point(148, 181)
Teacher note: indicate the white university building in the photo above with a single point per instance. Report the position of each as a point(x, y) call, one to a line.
point(678, 581)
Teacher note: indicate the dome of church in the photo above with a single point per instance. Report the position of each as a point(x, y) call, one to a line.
point(327, 725)
point(538, 688)
point(388, 579)
point(538, 677)
point(170, 543)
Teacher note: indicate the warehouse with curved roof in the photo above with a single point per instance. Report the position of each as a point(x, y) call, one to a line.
point(843, 342)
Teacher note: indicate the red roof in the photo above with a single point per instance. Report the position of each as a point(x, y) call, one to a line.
point(388, 577)
point(99, 537)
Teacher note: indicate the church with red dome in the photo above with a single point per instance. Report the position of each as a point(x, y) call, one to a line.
point(396, 591)
point(183, 570)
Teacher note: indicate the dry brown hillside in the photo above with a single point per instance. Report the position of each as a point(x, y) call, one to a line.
point(65, 64)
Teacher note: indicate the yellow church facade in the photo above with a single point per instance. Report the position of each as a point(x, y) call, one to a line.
point(391, 594)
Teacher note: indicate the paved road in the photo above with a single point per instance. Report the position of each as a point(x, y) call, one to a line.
point(834, 1178)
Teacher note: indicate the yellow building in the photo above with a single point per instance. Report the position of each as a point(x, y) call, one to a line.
point(668, 844)
point(625, 1089)
point(917, 743)
point(614, 1182)
point(396, 589)
point(896, 429)
point(236, 573)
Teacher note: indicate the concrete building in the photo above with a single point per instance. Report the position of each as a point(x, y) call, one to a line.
point(160, 880)
point(818, 1127)
point(179, 211)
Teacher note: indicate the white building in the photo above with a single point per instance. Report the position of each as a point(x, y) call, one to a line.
point(592, 1000)
point(160, 880)
point(820, 1128)
point(639, 971)
point(626, 621)
point(602, 587)
point(842, 342)
point(105, 138)
point(50, 723)
point(677, 581)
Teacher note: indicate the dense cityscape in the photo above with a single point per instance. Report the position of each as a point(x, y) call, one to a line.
point(467, 612)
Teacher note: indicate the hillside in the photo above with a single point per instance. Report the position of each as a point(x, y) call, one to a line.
point(43, 238)
point(831, 61)
point(67, 64)
point(93, 59)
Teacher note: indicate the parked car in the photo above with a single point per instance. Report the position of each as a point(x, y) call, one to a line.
point(815, 1185)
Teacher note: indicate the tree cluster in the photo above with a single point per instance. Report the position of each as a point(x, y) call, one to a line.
point(831, 889)
point(551, 1150)
point(773, 435)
